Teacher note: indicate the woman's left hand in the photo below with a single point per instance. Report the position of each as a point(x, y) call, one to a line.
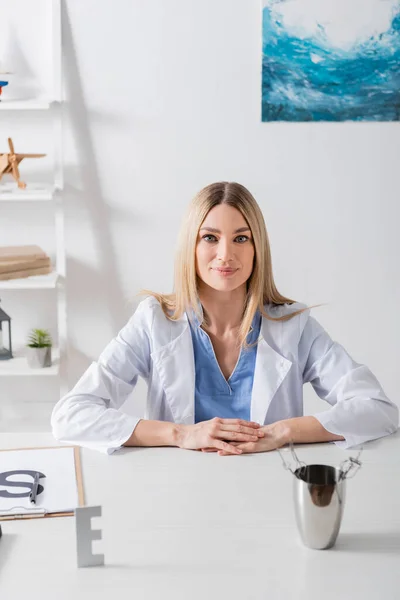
point(275, 435)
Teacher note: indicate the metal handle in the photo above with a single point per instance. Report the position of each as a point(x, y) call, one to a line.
point(298, 464)
point(351, 465)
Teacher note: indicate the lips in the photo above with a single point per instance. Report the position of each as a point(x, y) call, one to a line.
point(225, 270)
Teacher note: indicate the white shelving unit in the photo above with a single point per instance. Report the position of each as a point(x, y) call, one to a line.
point(37, 282)
point(18, 365)
point(37, 192)
point(31, 104)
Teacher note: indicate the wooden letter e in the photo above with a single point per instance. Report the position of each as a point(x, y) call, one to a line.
point(85, 535)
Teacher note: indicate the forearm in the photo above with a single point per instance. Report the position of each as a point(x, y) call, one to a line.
point(154, 433)
point(303, 430)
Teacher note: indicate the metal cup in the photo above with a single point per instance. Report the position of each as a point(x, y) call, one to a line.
point(319, 493)
point(319, 496)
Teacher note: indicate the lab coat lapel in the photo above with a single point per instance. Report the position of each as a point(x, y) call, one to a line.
point(175, 366)
point(270, 370)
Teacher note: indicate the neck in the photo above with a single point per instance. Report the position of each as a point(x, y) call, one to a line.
point(224, 310)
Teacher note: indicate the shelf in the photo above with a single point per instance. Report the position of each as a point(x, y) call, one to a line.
point(33, 192)
point(31, 104)
point(19, 366)
point(41, 282)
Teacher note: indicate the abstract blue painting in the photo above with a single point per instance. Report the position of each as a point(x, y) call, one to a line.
point(331, 60)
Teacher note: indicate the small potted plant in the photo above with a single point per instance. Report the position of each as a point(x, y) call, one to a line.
point(39, 349)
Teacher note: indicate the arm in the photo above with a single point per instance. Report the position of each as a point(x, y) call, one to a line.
point(299, 430)
point(360, 411)
point(302, 430)
point(88, 415)
point(206, 434)
point(155, 433)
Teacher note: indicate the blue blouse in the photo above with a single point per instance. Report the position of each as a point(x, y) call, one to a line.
point(214, 395)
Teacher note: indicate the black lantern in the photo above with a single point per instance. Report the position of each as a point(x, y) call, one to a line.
point(5, 350)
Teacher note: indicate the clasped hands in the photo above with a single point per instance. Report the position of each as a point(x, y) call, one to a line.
point(232, 436)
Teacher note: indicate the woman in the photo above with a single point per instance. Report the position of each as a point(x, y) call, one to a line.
point(225, 357)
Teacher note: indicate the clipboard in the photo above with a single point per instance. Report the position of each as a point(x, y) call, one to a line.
point(79, 483)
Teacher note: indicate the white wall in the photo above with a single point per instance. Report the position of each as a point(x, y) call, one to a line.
point(162, 99)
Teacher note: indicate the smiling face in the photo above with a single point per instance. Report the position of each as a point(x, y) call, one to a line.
point(224, 249)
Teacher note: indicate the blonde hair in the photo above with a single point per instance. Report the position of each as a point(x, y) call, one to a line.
point(261, 287)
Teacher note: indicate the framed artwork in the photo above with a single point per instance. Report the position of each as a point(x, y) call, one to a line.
point(331, 60)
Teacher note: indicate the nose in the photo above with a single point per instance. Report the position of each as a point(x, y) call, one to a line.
point(225, 251)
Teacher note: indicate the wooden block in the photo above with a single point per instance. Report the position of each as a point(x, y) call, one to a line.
point(10, 266)
point(25, 273)
point(8, 253)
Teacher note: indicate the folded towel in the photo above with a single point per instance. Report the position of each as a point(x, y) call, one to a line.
point(25, 273)
point(21, 252)
point(10, 266)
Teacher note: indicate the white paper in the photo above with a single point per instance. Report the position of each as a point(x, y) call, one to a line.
point(60, 489)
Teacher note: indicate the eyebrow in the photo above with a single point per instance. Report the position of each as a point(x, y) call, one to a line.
point(218, 231)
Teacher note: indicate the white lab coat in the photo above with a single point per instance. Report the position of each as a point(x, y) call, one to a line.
point(290, 354)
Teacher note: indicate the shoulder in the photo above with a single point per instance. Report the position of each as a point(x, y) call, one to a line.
point(148, 305)
point(150, 316)
point(294, 336)
point(148, 311)
point(282, 310)
point(288, 332)
point(303, 325)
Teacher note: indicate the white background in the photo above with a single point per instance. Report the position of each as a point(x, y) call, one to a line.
point(163, 98)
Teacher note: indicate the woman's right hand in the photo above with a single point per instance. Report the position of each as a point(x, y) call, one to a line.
point(217, 433)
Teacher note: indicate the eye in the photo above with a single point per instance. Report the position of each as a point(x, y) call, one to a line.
point(208, 236)
point(244, 237)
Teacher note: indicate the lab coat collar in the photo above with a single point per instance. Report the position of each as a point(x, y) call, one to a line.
point(195, 322)
point(175, 365)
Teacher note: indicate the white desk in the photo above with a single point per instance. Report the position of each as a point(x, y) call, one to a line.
point(188, 525)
